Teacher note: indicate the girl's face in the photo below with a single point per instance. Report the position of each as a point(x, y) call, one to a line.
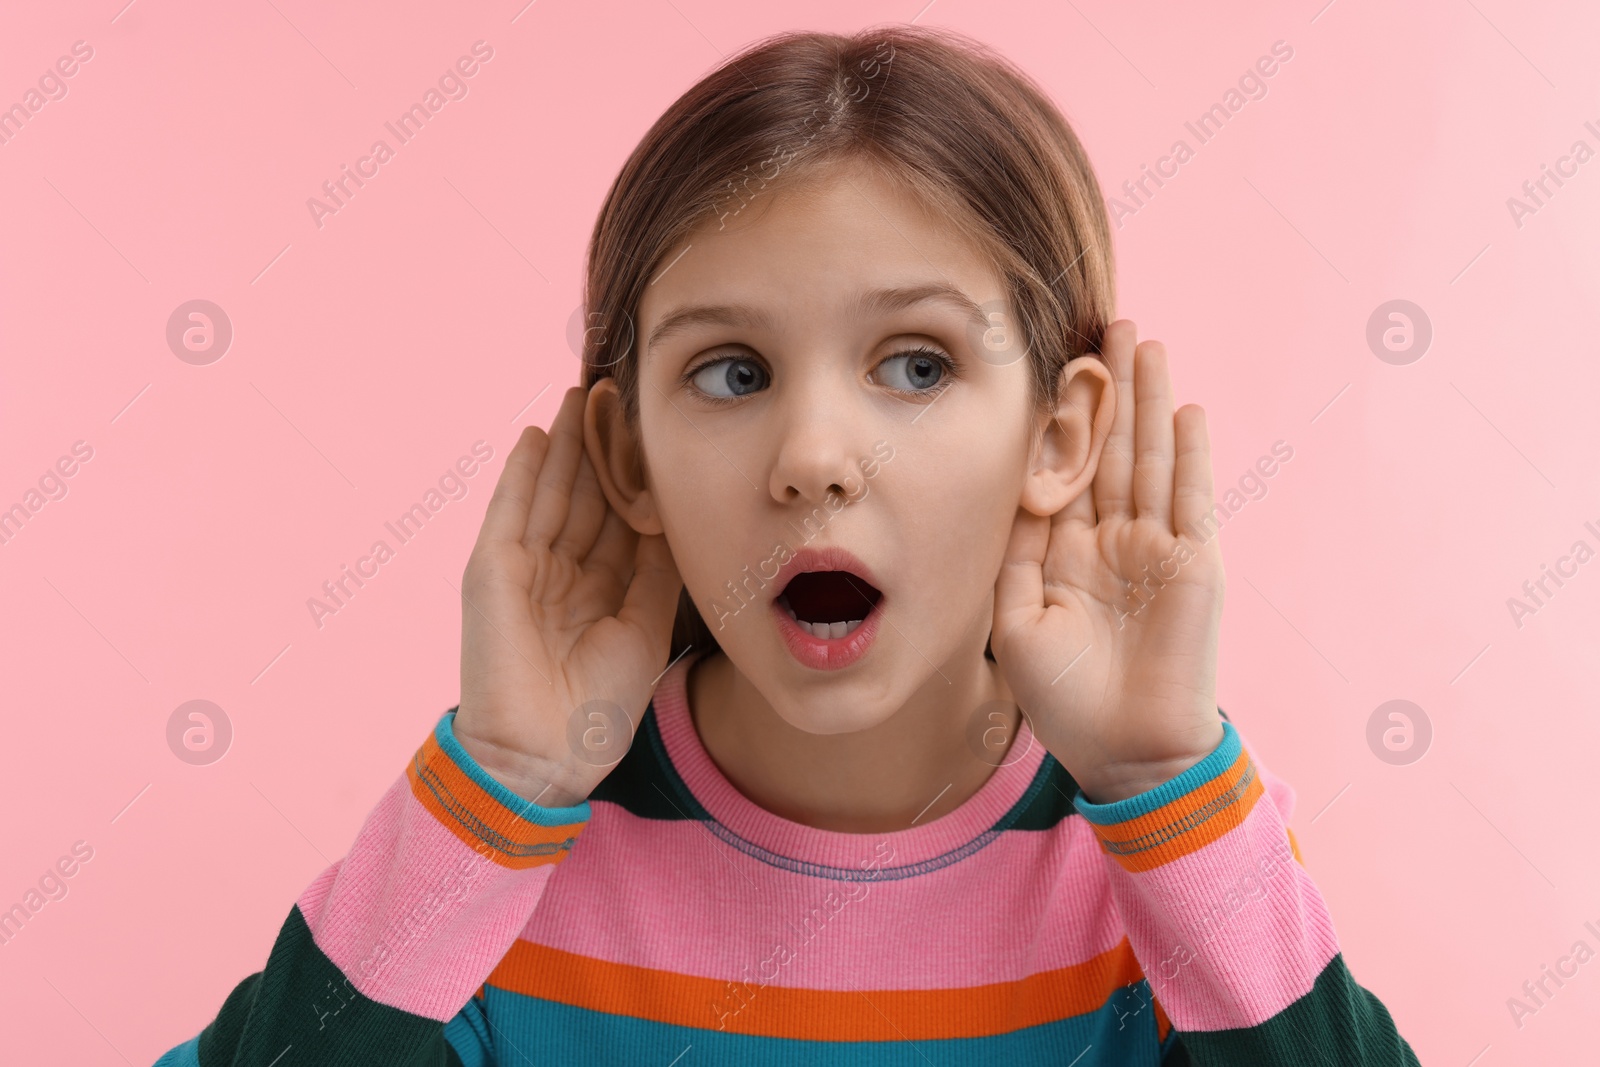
point(815, 375)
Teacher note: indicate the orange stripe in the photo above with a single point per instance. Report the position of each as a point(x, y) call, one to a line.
point(1294, 846)
point(816, 1014)
point(478, 819)
point(1163, 1024)
point(1191, 822)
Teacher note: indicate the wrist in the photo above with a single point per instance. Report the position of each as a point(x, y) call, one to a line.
point(548, 783)
point(1107, 785)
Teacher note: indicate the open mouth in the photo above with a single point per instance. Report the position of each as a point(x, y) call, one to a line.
point(828, 604)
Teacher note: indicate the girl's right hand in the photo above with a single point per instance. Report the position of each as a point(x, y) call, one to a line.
point(566, 621)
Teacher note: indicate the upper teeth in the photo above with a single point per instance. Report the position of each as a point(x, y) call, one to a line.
point(825, 630)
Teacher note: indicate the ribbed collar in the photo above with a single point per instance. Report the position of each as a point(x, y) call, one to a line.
point(796, 846)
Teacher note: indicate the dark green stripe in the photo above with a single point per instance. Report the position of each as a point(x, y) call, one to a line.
point(1173, 1054)
point(1336, 1024)
point(1047, 801)
point(644, 779)
point(1043, 809)
point(302, 1003)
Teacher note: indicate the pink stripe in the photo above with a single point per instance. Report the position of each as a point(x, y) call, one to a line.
point(1281, 792)
point(1234, 932)
point(412, 916)
point(669, 895)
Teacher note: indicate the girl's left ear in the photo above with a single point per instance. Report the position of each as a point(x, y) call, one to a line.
point(1068, 453)
point(618, 459)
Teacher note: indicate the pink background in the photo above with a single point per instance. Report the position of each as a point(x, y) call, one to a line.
point(428, 313)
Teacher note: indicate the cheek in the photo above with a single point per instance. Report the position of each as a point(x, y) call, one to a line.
point(696, 503)
point(706, 509)
point(687, 477)
point(963, 507)
point(970, 474)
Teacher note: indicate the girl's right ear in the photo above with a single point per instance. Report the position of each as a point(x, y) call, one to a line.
point(618, 458)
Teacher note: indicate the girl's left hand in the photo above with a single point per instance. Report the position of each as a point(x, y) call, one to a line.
point(1107, 613)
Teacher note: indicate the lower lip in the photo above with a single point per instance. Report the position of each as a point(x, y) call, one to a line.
point(823, 653)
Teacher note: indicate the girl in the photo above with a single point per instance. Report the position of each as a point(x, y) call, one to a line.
point(838, 672)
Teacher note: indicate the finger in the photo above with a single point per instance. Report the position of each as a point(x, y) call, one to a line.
point(1053, 566)
point(613, 552)
point(651, 604)
point(1079, 509)
point(588, 511)
point(1192, 498)
point(1019, 588)
point(507, 516)
point(1113, 482)
point(1152, 473)
point(552, 495)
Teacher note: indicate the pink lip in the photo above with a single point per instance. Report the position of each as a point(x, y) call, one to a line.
point(831, 558)
point(820, 653)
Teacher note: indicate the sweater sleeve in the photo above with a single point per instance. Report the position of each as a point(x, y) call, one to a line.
point(1231, 932)
point(382, 957)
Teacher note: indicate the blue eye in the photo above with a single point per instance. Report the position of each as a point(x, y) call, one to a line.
point(738, 376)
point(921, 368)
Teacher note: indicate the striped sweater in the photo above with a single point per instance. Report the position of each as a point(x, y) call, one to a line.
point(669, 920)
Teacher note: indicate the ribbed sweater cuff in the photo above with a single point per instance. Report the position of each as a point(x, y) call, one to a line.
point(482, 811)
point(1181, 814)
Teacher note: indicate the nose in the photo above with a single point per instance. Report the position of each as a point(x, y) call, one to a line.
point(818, 452)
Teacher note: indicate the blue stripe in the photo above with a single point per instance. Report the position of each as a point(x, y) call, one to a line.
point(1220, 760)
point(444, 733)
point(469, 1034)
point(185, 1055)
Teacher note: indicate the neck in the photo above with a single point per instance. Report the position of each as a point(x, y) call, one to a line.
point(904, 772)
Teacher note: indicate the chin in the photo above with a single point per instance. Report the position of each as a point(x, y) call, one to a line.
point(826, 717)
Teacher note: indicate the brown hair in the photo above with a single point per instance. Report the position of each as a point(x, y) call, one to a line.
point(965, 130)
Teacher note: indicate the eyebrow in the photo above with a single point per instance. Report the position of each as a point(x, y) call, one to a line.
point(881, 301)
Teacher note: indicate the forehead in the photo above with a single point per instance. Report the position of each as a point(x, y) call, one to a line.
point(825, 243)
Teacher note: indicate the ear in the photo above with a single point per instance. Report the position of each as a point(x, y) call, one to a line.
point(1067, 452)
point(618, 460)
